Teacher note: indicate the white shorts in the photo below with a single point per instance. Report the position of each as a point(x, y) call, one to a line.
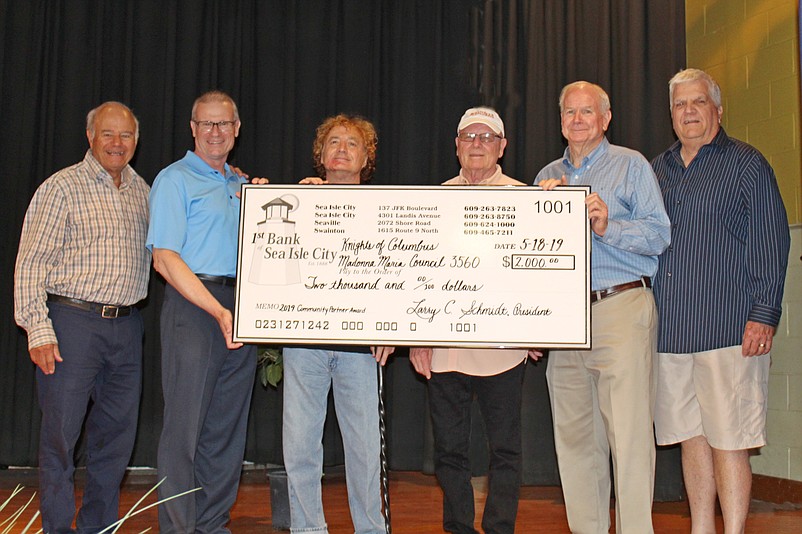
point(719, 394)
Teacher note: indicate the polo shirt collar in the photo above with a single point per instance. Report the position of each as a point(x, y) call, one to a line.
point(201, 167)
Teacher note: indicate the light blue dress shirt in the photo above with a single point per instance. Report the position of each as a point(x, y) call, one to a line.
point(638, 228)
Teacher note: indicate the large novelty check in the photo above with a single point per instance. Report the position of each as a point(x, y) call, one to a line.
point(423, 266)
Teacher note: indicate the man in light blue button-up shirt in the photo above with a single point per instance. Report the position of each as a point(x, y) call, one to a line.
point(603, 399)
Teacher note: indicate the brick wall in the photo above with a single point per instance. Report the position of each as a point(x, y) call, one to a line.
point(751, 47)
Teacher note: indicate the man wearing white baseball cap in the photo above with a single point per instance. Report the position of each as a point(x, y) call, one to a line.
point(494, 376)
point(482, 115)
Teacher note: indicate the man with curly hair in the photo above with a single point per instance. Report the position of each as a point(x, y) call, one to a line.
point(344, 152)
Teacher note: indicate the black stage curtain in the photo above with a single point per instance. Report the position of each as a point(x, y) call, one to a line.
point(411, 66)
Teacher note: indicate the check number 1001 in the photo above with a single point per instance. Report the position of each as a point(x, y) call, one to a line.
point(552, 206)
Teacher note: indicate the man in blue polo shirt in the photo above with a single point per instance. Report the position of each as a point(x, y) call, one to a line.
point(206, 378)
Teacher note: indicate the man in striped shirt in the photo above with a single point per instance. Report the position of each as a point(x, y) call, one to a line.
point(719, 291)
point(82, 266)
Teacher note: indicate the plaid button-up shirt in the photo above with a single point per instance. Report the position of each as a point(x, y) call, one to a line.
point(82, 238)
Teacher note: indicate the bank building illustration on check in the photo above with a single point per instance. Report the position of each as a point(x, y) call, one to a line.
point(274, 232)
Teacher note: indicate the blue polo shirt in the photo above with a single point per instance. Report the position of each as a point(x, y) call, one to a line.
point(194, 211)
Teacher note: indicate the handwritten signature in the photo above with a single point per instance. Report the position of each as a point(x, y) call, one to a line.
point(426, 311)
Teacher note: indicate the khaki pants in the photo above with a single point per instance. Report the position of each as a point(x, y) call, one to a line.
point(602, 402)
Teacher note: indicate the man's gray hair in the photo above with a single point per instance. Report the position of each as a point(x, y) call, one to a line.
point(694, 75)
point(214, 96)
point(90, 117)
point(604, 99)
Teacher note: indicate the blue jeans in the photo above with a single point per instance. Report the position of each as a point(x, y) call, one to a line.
point(102, 361)
point(308, 375)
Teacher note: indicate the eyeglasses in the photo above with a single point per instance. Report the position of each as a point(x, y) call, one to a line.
point(208, 126)
point(484, 138)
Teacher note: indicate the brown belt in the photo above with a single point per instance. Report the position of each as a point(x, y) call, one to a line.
point(602, 293)
point(107, 311)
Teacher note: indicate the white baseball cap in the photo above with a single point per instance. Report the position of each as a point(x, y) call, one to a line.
point(482, 115)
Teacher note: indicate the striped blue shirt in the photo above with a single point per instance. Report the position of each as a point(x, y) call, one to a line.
point(729, 251)
point(638, 227)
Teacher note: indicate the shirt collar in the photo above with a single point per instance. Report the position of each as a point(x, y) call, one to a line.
point(101, 174)
point(487, 181)
point(720, 141)
point(201, 167)
point(595, 154)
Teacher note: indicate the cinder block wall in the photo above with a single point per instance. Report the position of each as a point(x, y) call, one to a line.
point(751, 47)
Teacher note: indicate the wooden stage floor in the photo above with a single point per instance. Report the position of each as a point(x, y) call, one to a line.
point(415, 505)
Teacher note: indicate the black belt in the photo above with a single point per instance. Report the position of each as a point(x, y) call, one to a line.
point(225, 281)
point(602, 293)
point(107, 311)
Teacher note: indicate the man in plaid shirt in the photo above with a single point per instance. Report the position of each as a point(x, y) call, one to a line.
point(82, 267)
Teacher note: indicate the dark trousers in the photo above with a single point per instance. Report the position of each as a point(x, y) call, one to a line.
point(207, 393)
point(102, 362)
point(450, 399)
